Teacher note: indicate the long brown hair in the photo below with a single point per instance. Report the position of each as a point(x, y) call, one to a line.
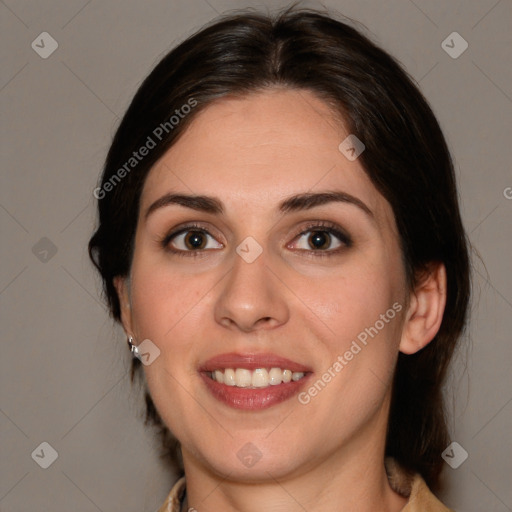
point(406, 158)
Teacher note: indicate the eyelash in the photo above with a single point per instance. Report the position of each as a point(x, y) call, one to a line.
point(321, 226)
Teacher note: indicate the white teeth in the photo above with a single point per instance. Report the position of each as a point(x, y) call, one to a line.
point(259, 378)
point(243, 377)
point(229, 377)
point(275, 376)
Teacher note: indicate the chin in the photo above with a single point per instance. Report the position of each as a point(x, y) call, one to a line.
point(253, 461)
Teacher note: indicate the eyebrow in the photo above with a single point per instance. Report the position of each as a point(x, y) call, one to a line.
point(299, 202)
point(200, 203)
point(307, 201)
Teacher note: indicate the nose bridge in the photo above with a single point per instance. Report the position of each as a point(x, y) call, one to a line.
point(251, 297)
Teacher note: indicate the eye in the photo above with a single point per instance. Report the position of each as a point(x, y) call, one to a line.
point(318, 240)
point(322, 238)
point(190, 239)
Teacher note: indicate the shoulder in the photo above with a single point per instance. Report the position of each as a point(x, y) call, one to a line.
point(173, 501)
point(421, 498)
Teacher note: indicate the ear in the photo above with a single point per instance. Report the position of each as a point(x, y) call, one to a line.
point(122, 285)
point(425, 311)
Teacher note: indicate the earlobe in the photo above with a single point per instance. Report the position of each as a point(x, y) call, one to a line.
point(426, 309)
point(123, 293)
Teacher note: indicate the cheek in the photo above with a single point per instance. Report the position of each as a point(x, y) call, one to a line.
point(164, 300)
point(359, 354)
point(355, 300)
point(358, 316)
point(169, 308)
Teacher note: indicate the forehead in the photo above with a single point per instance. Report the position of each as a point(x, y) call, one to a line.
point(260, 148)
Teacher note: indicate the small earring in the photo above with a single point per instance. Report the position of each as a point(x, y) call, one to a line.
point(133, 348)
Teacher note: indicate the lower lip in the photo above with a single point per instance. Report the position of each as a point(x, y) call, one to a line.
point(253, 399)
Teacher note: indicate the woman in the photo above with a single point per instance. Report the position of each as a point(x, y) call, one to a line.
point(280, 237)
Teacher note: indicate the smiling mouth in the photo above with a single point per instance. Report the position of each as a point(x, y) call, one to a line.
point(254, 379)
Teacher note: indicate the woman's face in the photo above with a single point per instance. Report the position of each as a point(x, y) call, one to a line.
point(292, 262)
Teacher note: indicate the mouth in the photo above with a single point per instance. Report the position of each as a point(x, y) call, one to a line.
point(253, 381)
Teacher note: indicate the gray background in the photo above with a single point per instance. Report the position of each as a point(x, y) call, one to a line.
point(64, 365)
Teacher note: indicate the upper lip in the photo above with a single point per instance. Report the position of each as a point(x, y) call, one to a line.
point(251, 361)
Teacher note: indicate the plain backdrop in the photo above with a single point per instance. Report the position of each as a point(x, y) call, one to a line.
point(64, 364)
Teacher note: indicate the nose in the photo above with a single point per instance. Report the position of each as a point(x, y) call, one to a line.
point(252, 298)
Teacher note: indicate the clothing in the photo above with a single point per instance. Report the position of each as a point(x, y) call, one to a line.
point(414, 487)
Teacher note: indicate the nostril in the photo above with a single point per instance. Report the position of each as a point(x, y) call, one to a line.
point(264, 320)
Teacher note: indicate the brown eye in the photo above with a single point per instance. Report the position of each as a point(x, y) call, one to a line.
point(195, 240)
point(319, 240)
point(191, 240)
